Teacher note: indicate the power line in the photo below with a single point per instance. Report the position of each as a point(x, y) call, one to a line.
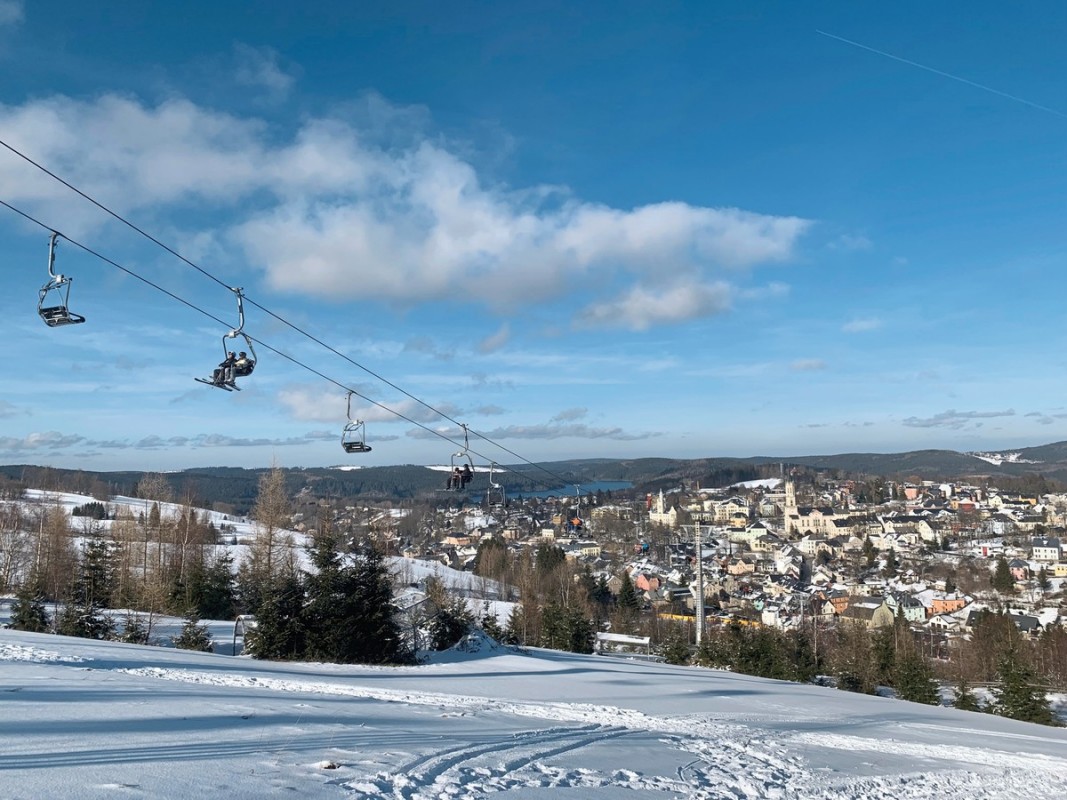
point(286, 356)
point(281, 319)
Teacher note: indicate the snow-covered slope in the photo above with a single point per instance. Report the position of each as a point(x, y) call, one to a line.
point(83, 719)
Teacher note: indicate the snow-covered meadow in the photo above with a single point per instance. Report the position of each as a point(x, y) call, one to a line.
point(87, 719)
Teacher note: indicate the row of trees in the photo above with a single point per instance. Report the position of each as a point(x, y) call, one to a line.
point(860, 660)
point(341, 611)
point(562, 607)
point(162, 559)
point(150, 559)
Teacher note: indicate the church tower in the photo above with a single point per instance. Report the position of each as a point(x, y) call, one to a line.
point(790, 497)
point(789, 510)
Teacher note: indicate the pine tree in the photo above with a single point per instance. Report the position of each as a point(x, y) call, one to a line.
point(1002, 579)
point(548, 558)
point(965, 698)
point(565, 628)
point(491, 625)
point(1043, 583)
point(1051, 654)
point(582, 633)
point(1016, 696)
point(884, 653)
point(217, 597)
point(324, 611)
point(554, 633)
point(82, 615)
point(600, 594)
point(28, 612)
point(194, 636)
point(628, 603)
point(134, 630)
point(279, 633)
point(870, 552)
point(515, 630)
point(84, 622)
point(350, 615)
point(375, 629)
point(97, 579)
point(914, 680)
point(675, 650)
point(709, 653)
point(851, 659)
point(889, 569)
point(451, 623)
point(801, 656)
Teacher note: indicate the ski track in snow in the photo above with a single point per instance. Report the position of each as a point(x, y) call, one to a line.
point(729, 761)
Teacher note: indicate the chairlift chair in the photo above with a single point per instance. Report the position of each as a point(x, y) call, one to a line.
point(460, 459)
point(495, 496)
point(57, 312)
point(354, 435)
point(229, 382)
point(575, 522)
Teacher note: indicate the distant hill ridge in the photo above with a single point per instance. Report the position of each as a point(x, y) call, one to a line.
point(238, 487)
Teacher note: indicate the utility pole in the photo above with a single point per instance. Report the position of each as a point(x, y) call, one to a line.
point(698, 605)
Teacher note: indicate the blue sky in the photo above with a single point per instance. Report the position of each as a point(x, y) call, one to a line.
point(599, 229)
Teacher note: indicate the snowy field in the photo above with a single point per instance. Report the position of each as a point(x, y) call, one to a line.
point(84, 719)
point(241, 527)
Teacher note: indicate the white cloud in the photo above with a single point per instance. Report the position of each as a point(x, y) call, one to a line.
point(11, 12)
point(57, 441)
point(641, 308)
point(861, 324)
point(570, 414)
point(955, 419)
point(46, 440)
point(561, 431)
point(808, 365)
point(312, 405)
point(426, 346)
point(258, 67)
point(495, 341)
point(850, 243)
point(774, 289)
point(308, 405)
point(173, 152)
point(1042, 418)
point(9, 410)
point(338, 215)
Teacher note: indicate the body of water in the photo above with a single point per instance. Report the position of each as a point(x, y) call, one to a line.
point(584, 488)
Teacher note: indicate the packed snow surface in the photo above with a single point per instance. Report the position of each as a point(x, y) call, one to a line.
point(84, 719)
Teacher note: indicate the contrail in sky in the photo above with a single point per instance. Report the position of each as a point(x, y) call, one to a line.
point(989, 89)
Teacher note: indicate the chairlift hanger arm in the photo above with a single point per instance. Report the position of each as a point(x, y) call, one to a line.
point(52, 241)
point(240, 313)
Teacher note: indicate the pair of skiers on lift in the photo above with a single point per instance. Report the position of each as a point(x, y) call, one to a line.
point(460, 478)
point(235, 366)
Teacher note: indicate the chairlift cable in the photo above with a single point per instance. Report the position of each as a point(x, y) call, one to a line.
point(222, 322)
point(281, 319)
point(107, 210)
point(285, 355)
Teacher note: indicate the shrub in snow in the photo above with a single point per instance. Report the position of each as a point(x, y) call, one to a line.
point(28, 612)
point(194, 636)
